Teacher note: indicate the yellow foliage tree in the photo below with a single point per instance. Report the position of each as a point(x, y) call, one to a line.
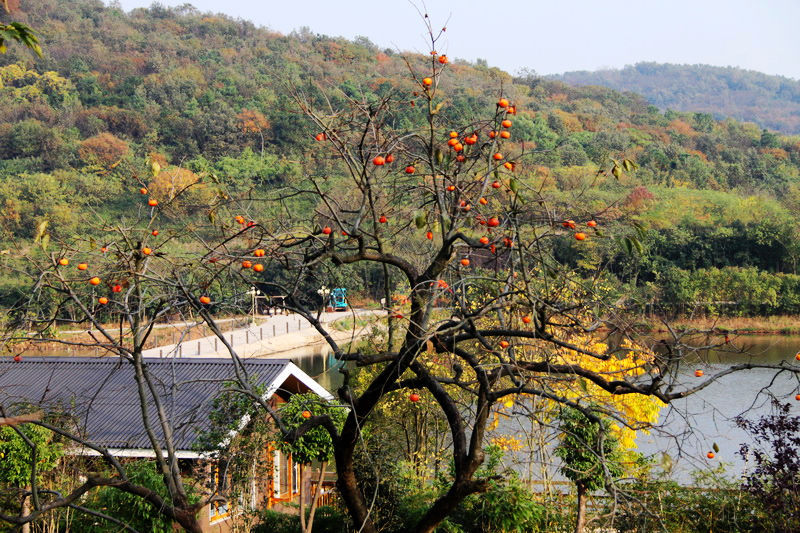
point(22, 84)
point(179, 187)
point(635, 412)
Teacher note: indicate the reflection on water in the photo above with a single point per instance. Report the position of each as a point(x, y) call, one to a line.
point(322, 366)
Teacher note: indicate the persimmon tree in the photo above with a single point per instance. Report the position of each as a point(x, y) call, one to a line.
point(448, 209)
point(11, 30)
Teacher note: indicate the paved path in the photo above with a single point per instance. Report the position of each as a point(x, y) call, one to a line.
point(267, 336)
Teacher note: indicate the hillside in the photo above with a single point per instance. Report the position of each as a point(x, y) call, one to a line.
point(772, 102)
point(211, 99)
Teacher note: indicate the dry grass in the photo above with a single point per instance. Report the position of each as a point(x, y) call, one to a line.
point(160, 336)
point(779, 324)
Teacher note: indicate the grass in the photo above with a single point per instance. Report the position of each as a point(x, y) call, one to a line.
point(158, 337)
point(778, 324)
point(346, 324)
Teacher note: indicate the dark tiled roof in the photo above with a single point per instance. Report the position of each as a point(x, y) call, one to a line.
point(101, 393)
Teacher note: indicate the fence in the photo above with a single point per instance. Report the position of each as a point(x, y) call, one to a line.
point(211, 345)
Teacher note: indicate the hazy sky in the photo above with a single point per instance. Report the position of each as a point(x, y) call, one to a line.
point(553, 36)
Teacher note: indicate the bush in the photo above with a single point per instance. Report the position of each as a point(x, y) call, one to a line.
point(507, 507)
point(717, 506)
point(129, 509)
point(274, 522)
point(774, 480)
point(327, 520)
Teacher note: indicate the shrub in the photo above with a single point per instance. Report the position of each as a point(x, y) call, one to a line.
point(716, 505)
point(127, 508)
point(328, 520)
point(775, 480)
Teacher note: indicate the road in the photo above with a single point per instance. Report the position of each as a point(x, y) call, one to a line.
point(267, 336)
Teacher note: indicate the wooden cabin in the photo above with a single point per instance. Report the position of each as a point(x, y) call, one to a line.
point(102, 394)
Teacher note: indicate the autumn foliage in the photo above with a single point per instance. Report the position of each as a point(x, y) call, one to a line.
point(103, 149)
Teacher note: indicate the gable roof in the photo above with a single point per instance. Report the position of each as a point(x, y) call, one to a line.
point(101, 393)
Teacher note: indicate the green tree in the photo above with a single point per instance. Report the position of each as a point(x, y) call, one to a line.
point(315, 444)
point(127, 508)
point(589, 453)
point(27, 453)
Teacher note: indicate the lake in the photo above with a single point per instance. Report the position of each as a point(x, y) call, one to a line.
point(688, 428)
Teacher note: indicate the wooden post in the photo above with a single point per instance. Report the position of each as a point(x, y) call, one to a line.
point(198, 347)
point(287, 326)
point(273, 330)
point(261, 333)
point(215, 344)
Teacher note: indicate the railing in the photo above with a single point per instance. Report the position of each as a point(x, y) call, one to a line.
point(240, 337)
point(561, 491)
point(327, 496)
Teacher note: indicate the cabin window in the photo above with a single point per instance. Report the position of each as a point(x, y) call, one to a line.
point(276, 474)
point(218, 511)
point(296, 478)
point(283, 476)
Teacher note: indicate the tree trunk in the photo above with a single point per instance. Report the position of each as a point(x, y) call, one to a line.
point(26, 510)
point(188, 521)
point(351, 494)
point(315, 497)
point(302, 499)
point(580, 522)
point(387, 294)
point(446, 504)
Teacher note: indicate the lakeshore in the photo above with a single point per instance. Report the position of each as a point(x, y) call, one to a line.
point(757, 325)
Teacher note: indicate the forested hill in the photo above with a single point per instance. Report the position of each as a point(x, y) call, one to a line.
point(210, 99)
point(769, 101)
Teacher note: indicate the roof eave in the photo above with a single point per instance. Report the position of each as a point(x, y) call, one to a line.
point(136, 453)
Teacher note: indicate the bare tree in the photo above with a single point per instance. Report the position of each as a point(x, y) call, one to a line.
point(123, 288)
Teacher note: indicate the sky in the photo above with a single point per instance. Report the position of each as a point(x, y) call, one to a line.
point(551, 37)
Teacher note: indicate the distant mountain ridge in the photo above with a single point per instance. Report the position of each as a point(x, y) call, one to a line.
point(772, 102)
